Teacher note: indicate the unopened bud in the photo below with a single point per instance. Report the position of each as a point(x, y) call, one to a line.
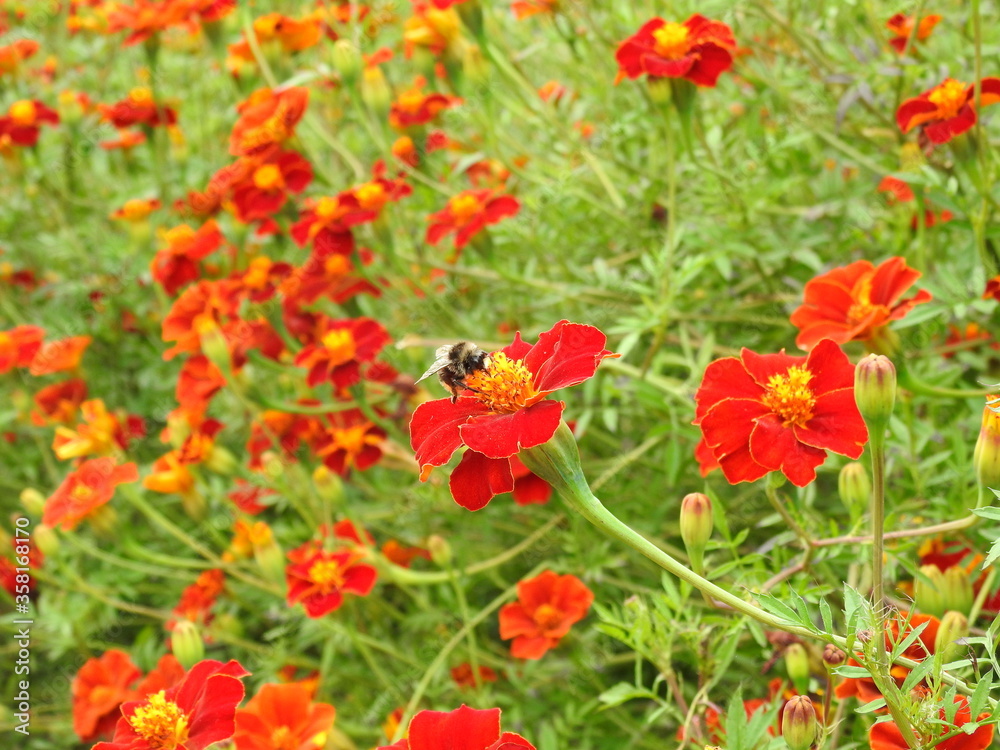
point(221, 461)
point(375, 91)
point(186, 643)
point(215, 347)
point(329, 484)
point(696, 524)
point(32, 501)
point(798, 723)
point(346, 60)
point(954, 627)
point(797, 665)
point(986, 457)
point(936, 592)
point(855, 487)
point(268, 553)
point(875, 392)
point(440, 550)
point(833, 656)
point(274, 467)
point(46, 539)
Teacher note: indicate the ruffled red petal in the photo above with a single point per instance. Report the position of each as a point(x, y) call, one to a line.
point(727, 427)
point(478, 479)
point(434, 430)
point(566, 355)
point(462, 729)
point(763, 366)
point(504, 435)
point(913, 109)
point(724, 379)
point(775, 447)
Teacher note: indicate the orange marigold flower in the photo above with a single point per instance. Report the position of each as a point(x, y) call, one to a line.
point(468, 213)
point(855, 302)
point(176, 264)
point(12, 55)
point(198, 599)
point(342, 346)
point(698, 50)
point(144, 18)
point(127, 139)
point(267, 118)
point(170, 475)
point(413, 107)
point(771, 412)
point(56, 356)
point(886, 735)
point(294, 35)
point(58, 402)
point(136, 209)
point(85, 490)
point(197, 382)
point(350, 441)
point(466, 679)
point(959, 336)
point(326, 223)
point(947, 110)
point(432, 27)
point(404, 149)
point(526, 8)
point(319, 579)
point(99, 688)
point(99, 433)
point(267, 187)
point(901, 27)
point(401, 555)
point(462, 729)
point(552, 91)
point(138, 108)
point(247, 497)
point(327, 273)
point(24, 119)
point(199, 308)
point(18, 346)
point(546, 608)
point(283, 715)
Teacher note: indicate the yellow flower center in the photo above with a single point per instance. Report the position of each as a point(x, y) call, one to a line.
point(370, 195)
point(23, 112)
point(505, 386)
point(340, 345)
point(790, 397)
point(81, 494)
point(257, 274)
point(267, 177)
point(161, 723)
point(352, 440)
point(547, 617)
point(260, 534)
point(140, 95)
point(136, 209)
point(411, 101)
point(327, 574)
point(327, 208)
point(671, 40)
point(336, 265)
point(282, 738)
point(949, 97)
point(464, 207)
point(179, 236)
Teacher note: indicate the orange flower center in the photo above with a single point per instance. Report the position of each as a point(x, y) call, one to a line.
point(140, 95)
point(23, 112)
point(505, 386)
point(327, 574)
point(547, 617)
point(411, 101)
point(671, 40)
point(863, 306)
point(340, 345)
point(352, 440)
point(258, 273)
point(464, 207)
point(328, 208)
point(282, 738)
point(81, 494)
point(949, 97)
point(268, 177)
point(790, 397)
point(136, 209)
point(161, 723)
point(370, 195)
point(336, 265)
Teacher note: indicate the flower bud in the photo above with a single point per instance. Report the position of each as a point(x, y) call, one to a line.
point(32, 501)
point(798, 723)
point(221, 461)
point(954, 627)
point(375, 91)
point(696, 523)
point(986, 457)
point(833, 656)
point(328, 484)
point(215, 346)
point(855, 488)
point(268, 553)
point(346, 60)
point(797, 665)
point(875, 392)
point(440, 550)
point(46, 539)
point(936, 592)
point(186, 643)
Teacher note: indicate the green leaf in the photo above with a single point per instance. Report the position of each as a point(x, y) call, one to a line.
point(848, 670)
point(977, 701)
point(870, 706)
point(827, 615)
point(624, 692)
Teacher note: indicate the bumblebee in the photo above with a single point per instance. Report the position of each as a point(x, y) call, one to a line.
point(453, 363)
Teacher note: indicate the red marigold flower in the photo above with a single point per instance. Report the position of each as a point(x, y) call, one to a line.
point(199, 308)
point(268, 186)
point(886, 735)
point(328, 273)
point(12, 55)
point(900, 626)
point(900, 191)
point(546, 608)
point(170, 475)
point(267, 118)
point(947, 110)
point(24, 120)
point(85, 490)
point(401, 555)
point(855, 302)
point(413, 107)
point(283, 715)
point(294, 35)
point(343, 345)
point(771, 412)
point(138, 108)
point(326, 223)
point(529, 488)
point(18, 346)
point(59, 402)
point(127, 139)
point(99, 688)
point(901, 26)
point(468, 213)
point(197, 600)
point(136, 209)
point(197, 712)
point(100, 432)
point(462, 729)
point(56, 356)
point(349, 441)
point(465, 678)
point(525, 8)
point(197, 382)
point(507, 411)
point(992, 290)
point(144, 18)
point(177, 264)
point(319, 579)
point(699, 50)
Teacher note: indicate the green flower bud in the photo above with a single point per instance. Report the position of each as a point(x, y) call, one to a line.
point(186, 643)
point(875, 392)
point(32, 501)
point(798, 723)
point(855, 487)
point(986, 457)
point(329, 484)
point(221, 461)
point(440, 550)
point(46, 539)
point(375, 91)
point(346, 60)
point(936, 592)
point(268, 554)
point(797, 665)
point(696, 523)
point(954, 627)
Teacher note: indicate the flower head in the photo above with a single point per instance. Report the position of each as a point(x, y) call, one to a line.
point(176, 263)
point(462, 729)
point(342, 346)
point(283, 716)
point(698, 50)
point(267, 186)
point(546, 608)
point(886, 735)
point(468, 213)
point(19, 345)
point(947, 110)
point(138, 108)
point(267, 118)
point(319, 579)
point(99, 688)
point(413, 107)
point(772, 412)
point(901, 27)
point(24, 121)
point(508, 410)
point(855, 302)
point(85, 490)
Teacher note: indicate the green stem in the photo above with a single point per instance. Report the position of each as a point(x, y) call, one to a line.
point(878, 525)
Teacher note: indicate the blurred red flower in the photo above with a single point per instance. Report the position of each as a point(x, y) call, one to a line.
point(24, 119)
point(947, 110)
point(468, 213)
point(326, 223)
point(341, 348)
point(547, 606)
point(901, 26)
point(283, 716)
point(413, 107)
point(508, 410)
point(886, 735)
point(267, 118)
point(267, 188)
point(348, 441)
point(99, 688)
point(59, 402)
point(462, 729)
point(138, 108)
point(56, 356)
point(19, 345)
point(145, 18)
point(464, 677)
point(85, 490)
point(855, 302)
point(176, 264)
point(197, 600)
point(319, 579)
point(699, 50)
point(771, 412)
point(525, 8)
point(197, 712)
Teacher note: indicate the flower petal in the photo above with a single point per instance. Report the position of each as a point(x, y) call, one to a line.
point(503, 435)
point(775, 446)
point(726, 428)
point(762, 366)
point(477, 479)
point(566, 355)
point(724, 379)
point(462, 729)
point(836, 425)
point(434, 430)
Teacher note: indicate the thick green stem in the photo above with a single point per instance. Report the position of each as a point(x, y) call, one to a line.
point(878, 523)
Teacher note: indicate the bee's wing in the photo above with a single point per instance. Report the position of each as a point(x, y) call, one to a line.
point(442, 358)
